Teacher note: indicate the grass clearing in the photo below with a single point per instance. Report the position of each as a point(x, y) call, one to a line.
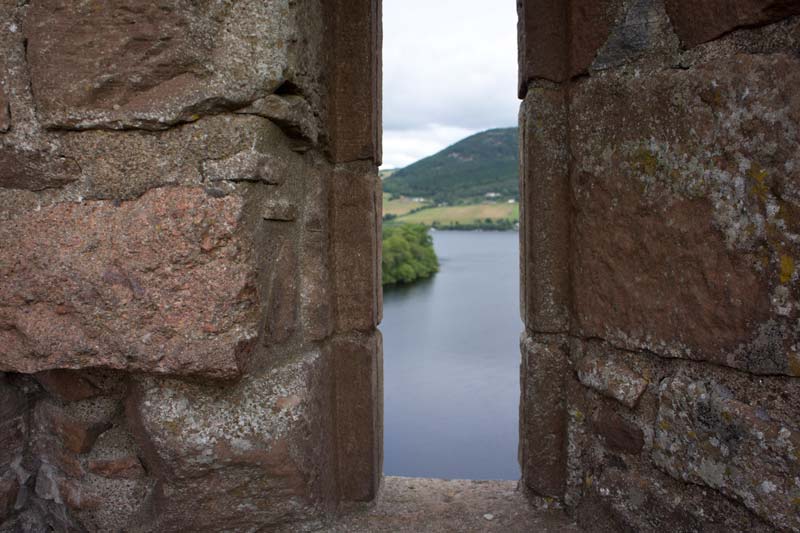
point(400, 206)
point(462, 214)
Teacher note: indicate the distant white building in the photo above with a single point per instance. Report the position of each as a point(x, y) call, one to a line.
point(493, 195)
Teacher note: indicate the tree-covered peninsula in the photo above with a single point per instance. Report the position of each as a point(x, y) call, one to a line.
point(408, 254)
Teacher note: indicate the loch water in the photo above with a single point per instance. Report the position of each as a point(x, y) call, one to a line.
point(451, 363)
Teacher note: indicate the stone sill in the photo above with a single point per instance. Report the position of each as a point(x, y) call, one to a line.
point(422, 505)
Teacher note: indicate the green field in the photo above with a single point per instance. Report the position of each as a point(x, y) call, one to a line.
point(466, 186)
point(462, 214)
point(400, 206)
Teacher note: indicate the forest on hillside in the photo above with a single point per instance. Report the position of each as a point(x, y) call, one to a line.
point(484, 163)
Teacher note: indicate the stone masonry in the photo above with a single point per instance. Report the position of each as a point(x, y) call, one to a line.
point(189, 282)
point(190, 276)
point(660, 253)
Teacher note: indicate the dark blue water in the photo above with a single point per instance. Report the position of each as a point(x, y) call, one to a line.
point(451, 356)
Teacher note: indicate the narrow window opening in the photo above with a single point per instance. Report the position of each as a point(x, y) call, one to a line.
point(450, 181)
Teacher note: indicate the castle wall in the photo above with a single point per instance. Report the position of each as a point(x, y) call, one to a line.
point(189, 271)
point(660, 246)
point(190, 281)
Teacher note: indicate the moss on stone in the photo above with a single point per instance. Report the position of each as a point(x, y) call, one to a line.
point(793, 361)
point(645, 161)
point(787, 268)
point(758, 176)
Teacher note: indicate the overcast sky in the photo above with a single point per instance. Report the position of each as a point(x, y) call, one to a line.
point(449, 70)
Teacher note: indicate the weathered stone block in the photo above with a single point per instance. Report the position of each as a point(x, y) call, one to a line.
point(75, 435)
point(611, 379)
point(279, 211)
point(358, 361)
point(316, 309)
point(355, 223)
point(248, 165)
point(9, 488)
point(52, 485)
point(541, 35)
point(685, 226)
point(704, 436)
point(698, 22)
point(618, 433)
point(126, 63)
point(13, 424)
point(260, 445)
point(544, 215)
point(543, 415)
point(625, 499)
point(596, 515)
point(128, 467)
point(115, 477)
point(292, 113)
point(67, 385)
point(57, 439)
point(282, 300)
point(5, 113)
point(353, 31)
point(161, 284)
point(125, 165)
point(558, 40)
point(35, 170)
point(644, 30)
point(590, 26)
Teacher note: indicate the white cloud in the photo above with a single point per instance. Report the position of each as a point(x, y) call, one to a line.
point(403, 147)
point(449, 65)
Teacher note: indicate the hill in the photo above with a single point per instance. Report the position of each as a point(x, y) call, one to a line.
point(487, 162)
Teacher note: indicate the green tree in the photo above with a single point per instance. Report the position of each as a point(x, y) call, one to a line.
point(408, 254)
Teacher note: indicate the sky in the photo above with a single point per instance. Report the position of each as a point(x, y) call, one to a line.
point(449, 70)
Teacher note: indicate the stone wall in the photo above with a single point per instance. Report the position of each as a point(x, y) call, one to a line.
point(190, 283)
point(189, 274)
point(660, 253)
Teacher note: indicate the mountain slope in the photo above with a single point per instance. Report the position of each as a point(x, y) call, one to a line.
point(483, 163)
